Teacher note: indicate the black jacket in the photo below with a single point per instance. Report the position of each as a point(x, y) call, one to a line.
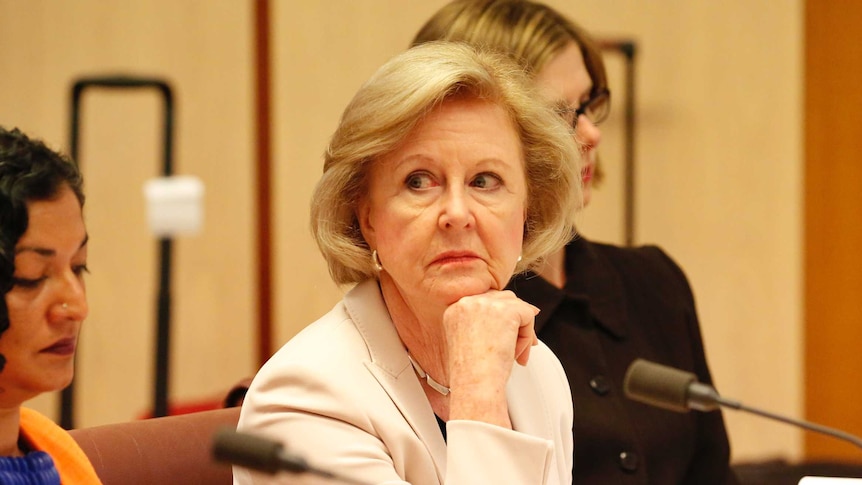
point(620, 304)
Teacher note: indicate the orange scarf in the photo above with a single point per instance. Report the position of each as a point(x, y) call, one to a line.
point(44, 435)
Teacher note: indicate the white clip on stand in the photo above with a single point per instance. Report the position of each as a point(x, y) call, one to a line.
point(174, 205)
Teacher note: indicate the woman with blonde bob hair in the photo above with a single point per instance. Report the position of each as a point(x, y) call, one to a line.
point(446, 174)
point(383, 113)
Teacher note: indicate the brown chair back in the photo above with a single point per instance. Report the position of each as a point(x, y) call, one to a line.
point(174, 450)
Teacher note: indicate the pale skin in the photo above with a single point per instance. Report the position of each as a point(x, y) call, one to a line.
point(566, 80)
point(446, 211)
point(39, 345)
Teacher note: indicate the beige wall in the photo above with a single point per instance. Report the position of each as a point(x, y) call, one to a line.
point(718, 149)
point(203, 49)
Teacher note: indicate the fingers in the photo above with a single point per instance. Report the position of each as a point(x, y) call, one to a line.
point(494, 321)
point(522, 354)
point(526, 337)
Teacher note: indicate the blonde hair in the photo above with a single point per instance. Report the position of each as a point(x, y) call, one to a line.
point(398, 96)
point(530, 32)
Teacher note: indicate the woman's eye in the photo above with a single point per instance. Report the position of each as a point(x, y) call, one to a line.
point(80, 269)
point(418, 181)
point(487, 181)
point(27, 283)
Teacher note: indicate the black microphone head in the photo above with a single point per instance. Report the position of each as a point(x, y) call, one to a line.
point(658, 385)
point(247, 450)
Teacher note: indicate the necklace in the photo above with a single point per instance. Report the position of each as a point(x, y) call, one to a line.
point(430, 380)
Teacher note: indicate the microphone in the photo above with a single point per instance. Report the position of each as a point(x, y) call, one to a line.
point(677, 390)
point(263, 454)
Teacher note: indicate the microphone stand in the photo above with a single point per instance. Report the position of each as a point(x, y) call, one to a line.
point(677, 390)
point(266, 455)
point(817, 428)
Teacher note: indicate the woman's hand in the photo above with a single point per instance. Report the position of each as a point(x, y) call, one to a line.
point(486, 334)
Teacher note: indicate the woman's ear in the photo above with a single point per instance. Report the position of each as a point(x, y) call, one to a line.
point(363, 215)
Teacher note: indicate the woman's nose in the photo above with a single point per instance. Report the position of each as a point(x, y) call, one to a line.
point(72, 300)
point(587, 132)
point(455, 211)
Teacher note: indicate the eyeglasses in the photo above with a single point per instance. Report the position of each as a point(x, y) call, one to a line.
point(596, 109)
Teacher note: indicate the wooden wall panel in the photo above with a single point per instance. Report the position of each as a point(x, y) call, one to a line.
point(833, 232)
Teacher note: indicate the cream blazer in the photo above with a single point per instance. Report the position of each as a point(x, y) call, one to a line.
point(343, 395)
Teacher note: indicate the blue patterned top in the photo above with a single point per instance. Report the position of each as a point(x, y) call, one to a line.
point(34, 468)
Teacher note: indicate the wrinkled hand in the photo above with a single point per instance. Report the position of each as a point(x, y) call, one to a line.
point(485, 334)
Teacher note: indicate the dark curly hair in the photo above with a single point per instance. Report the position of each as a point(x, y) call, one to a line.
point(29, 171)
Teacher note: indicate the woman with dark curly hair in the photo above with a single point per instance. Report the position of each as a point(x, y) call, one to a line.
point(43, 258)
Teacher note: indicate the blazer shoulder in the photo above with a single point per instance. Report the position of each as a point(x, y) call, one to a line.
point(648, 259)
point(647, 269)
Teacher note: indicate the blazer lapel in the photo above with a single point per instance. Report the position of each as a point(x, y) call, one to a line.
point(390, 366)
point(600, 282)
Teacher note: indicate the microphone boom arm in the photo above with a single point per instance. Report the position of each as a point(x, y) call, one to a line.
point(677, 390)
point(817, 428)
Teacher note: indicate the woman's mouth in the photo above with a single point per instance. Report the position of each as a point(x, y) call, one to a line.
point(454, 257)
point(64, 346)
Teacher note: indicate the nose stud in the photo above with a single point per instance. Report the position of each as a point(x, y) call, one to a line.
point(64, 306)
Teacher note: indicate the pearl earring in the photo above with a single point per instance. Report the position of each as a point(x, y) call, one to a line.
point(376, 260)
